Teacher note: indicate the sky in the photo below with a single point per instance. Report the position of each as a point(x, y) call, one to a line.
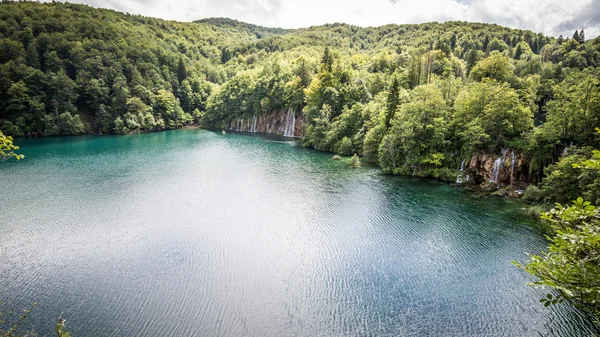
point(551, 17)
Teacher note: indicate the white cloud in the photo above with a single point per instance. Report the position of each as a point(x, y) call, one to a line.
point(551, 17)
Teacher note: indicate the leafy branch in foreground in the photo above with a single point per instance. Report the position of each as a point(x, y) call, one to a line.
point(60, 328)
point(571, 266)
point(7, 147)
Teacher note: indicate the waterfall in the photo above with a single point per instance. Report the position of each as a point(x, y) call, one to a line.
point(496, 170)
point(290, 124)
point(254, 120)
point(459, 178)
point(513, 160)
point(566, 149)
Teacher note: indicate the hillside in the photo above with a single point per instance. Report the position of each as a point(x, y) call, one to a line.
point(413, 99)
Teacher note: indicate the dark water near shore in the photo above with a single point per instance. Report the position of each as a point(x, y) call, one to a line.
point(194, 233)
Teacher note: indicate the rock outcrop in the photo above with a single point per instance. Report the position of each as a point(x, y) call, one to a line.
point(508, 169)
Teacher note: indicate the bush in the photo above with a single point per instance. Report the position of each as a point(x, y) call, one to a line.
point(444, 174)
point(345, 147)
point(355, 161)
point(533, 195)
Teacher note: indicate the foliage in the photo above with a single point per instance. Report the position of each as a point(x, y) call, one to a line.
point(355, 161)
point(410, 98)
point(7, 147)
point(570, 266)
point(61, 330)
point(533, 195)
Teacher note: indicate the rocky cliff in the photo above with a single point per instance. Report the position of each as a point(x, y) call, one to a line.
point(279, 122)
point(507, 169)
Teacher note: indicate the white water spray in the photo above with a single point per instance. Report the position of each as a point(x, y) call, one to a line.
point(254, 120)
point(290, 124)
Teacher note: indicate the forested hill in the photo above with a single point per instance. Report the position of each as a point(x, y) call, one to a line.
point(413, 99)
point(258, 31)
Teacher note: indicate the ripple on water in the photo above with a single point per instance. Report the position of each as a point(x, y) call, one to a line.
point(195, 233)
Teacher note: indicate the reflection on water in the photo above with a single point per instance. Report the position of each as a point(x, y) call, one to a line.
point(195, 233)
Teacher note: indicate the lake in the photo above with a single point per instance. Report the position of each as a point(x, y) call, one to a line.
point(195, 233)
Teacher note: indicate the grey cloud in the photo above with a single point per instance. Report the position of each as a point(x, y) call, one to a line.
point(588, 17)
point(264, 10)
point(547, 17)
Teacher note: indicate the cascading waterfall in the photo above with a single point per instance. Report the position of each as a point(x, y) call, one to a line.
point(459, 178)
point(290, 124)
point(254, 120)
point(498, 163)
point(496, 170)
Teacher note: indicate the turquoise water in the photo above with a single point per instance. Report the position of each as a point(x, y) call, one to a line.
point(194, 233)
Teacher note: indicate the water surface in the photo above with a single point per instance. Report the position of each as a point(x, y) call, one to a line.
point(194, 233)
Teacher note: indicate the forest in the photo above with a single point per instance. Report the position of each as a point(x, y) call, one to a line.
point(414, 99)
point(411, 99)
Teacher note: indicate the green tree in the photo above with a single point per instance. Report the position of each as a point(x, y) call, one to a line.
point(182, 73)
point(495, 66)
point(498, 110)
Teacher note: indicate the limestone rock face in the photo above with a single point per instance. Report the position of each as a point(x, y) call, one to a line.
point(507, 169)
point(275, 122)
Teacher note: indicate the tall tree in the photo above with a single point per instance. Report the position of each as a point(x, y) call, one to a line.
point(181, 71)
point(393, 99)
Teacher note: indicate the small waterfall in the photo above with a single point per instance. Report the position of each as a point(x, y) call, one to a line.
point(290, 124)
point(496, 170)
point(566, 149)
point(459, 178)
point(513, 161)
point(254, 120)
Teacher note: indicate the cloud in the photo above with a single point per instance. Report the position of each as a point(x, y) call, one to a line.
point(589, 16)
point(551, 17)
